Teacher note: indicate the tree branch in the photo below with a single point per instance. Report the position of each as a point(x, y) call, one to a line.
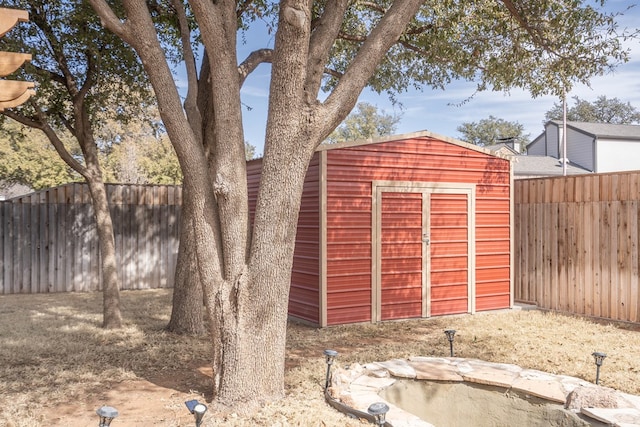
point(191, 101)
point(325, 30)
point(22, 119)
point(67, 123)
point(333, 73)
point(534, 32)
point(418, 30)
point(92, 69)
point(41, 123)
point(53, 76)
point(423, 52)
point(57, 50)
point(372, 51)
point(255, 58)
point(242, 7)
point(109, 19)
point(351, 37)
point(373, 6)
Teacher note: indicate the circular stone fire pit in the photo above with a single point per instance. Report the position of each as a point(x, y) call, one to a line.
point(428, 391)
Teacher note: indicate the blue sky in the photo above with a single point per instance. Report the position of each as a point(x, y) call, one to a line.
point(440, 111)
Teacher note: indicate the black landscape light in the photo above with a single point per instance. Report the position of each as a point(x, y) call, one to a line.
point(599, 358)
point(330, 357)
point(106, 414)
point(450, 333)
point(197, 409)
point(379, 411)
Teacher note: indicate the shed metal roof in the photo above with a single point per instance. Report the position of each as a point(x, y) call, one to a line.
point(419, 134)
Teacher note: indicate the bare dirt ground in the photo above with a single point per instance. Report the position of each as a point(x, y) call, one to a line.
point(57, 366)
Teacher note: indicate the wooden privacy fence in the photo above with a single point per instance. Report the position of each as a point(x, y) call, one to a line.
point(48, 239)
point(576, 244)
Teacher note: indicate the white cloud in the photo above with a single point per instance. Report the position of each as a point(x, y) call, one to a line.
point(255, 91)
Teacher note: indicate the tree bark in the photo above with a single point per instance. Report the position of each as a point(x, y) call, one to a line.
point(112, 316)
point(187, 310)
point(245, 271)
point(91, 172)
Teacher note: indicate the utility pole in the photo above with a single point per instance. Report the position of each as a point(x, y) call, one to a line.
point(564, 131)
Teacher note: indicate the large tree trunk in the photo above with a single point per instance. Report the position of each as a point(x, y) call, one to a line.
point(253, 347)
point(245, 269)
point(187, 310)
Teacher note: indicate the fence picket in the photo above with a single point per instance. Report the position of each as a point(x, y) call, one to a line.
point(49, 239)
point(588, 242)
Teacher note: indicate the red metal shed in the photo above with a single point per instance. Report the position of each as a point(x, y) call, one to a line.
point(407, 226)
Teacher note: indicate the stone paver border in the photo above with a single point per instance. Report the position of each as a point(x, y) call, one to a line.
point(359, 386)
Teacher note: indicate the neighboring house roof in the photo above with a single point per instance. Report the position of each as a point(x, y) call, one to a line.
point(595, 130)
point(529, 166)
point(596, 147)
point(502, 148)
point(8, 191)
point(604, 130)
point(534, 166)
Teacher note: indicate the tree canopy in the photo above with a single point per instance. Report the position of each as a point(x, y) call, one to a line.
point(493, 130)
point(602, 110)
point(143, 160)
point(138, 151)
point(324, 54)
point(129, 153)
point(71, 54)
point(544, 47)
point(28, 158)
point(250, 150)
point(365, 122)
point(85, 76)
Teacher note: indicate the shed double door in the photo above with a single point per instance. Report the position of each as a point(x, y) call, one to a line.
point(423, 255)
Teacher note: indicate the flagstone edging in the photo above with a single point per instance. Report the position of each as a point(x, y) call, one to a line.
point(359, 386)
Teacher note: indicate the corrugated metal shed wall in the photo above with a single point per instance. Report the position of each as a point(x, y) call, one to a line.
point(449, 253)
point(348, 241)
point(401, 256)
point(304, 297)
point(350, 172)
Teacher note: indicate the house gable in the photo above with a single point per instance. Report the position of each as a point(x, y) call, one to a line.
point(537, 147)
point(617, 155)
point(595, 147)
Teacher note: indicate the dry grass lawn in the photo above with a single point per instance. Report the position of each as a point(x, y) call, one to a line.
point(57, 366)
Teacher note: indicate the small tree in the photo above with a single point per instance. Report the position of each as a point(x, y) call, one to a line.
point(145, 159)
point(85, 76)
point(602, 110)
point(364, 122)
point(491, 131)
